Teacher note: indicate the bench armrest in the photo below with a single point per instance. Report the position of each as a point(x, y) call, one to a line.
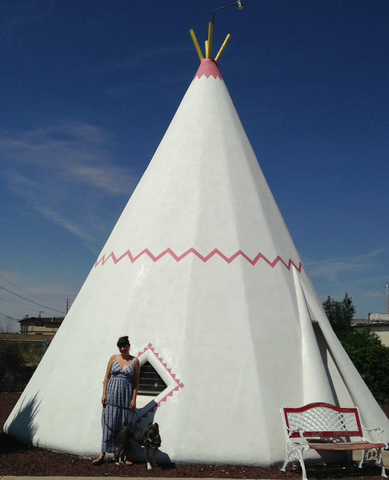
point(300, 431)
point(292, 441)
point(370, 433)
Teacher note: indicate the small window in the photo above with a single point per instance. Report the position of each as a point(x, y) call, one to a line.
point(150, 383)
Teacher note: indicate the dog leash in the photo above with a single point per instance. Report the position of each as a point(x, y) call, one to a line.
point(123, 408)
point(115, 432)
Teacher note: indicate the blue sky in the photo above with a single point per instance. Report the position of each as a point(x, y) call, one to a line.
point(88, 88)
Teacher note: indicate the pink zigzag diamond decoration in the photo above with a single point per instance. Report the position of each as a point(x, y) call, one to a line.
point(167, 394)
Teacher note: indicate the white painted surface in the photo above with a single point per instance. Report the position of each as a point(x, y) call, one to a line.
point(378, 317)
point(235, 336)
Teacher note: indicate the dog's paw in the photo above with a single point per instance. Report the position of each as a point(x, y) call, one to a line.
point(149, 467)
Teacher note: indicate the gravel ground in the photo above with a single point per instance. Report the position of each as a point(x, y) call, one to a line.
point(19, 459)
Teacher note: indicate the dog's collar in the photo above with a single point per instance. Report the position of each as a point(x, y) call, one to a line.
point(148, 439)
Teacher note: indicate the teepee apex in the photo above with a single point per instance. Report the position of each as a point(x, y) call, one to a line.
point(209, 68)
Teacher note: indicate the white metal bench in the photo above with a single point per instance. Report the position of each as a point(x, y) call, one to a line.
point(321, 426)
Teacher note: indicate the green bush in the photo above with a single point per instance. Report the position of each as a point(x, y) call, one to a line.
point(364, 347)
point(14, 374)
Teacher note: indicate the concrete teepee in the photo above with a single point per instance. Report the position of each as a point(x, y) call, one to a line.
point(201, 272)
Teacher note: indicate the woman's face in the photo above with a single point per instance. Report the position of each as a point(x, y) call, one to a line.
point(124, 349)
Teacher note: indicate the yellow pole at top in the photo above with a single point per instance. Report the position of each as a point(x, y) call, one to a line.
point(210, 39)
point(222, 48)
point(196, 44)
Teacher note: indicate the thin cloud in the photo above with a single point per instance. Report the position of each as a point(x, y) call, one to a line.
point(67, 174)
point(57, 218)
point(374, 294)
point(108, 180)
point(332, 268)
point(71, 151)
point(360, 276)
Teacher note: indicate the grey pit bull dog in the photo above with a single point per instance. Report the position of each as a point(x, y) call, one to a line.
point(148, 438)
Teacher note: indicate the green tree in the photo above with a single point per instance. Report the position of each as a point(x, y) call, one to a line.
point(340, 314)
point(364, 347)
point(371, 358)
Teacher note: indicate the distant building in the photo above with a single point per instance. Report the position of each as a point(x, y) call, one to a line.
point(40, 325)
point(377, 323)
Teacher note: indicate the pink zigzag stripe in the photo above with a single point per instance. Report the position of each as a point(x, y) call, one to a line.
point(170, 394)
point(103, 260)
point(209, 74)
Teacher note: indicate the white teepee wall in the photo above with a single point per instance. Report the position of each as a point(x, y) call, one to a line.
point(201, 272)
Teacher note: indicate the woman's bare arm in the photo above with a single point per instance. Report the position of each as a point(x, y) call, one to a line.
point(106, 379)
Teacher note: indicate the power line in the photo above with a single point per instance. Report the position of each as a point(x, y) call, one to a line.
point(35, 303)
point(14, 301)
point(6, 279)
point(7, 316)
point(26, 299)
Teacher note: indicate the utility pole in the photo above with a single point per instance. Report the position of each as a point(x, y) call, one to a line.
point(387, 298)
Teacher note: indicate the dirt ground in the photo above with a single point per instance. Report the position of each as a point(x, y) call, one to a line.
point(19, 459)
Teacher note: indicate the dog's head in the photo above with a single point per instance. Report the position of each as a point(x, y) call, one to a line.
point(152, 435)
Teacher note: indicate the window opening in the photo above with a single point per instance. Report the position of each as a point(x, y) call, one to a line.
point(150, 382)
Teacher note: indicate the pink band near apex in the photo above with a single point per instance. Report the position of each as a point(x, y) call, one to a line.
point(209, 68)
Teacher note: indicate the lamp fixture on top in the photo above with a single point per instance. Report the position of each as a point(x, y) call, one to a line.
point(239, 3)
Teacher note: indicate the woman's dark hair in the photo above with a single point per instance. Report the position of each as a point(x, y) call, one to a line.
point(123, 341)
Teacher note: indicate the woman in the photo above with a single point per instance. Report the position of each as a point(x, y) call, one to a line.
point(120, 389)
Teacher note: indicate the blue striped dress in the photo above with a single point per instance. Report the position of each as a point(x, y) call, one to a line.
point(119, 394)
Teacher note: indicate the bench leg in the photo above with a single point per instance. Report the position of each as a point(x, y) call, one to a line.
point(300, 458)
point(288, 456)
point(362, 459)
point(379, 458)
point(379, 455)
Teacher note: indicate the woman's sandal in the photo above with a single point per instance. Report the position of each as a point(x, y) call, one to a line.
point(98, 461)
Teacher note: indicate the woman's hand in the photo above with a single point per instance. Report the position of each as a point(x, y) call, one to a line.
point(104, 399)
point(133, 404)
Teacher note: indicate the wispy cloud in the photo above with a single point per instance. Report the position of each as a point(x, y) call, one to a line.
point(333, 268)
point(374, 294)
point(67, 174)
point(71, 227)
point(72, 151)
point(361, 276)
